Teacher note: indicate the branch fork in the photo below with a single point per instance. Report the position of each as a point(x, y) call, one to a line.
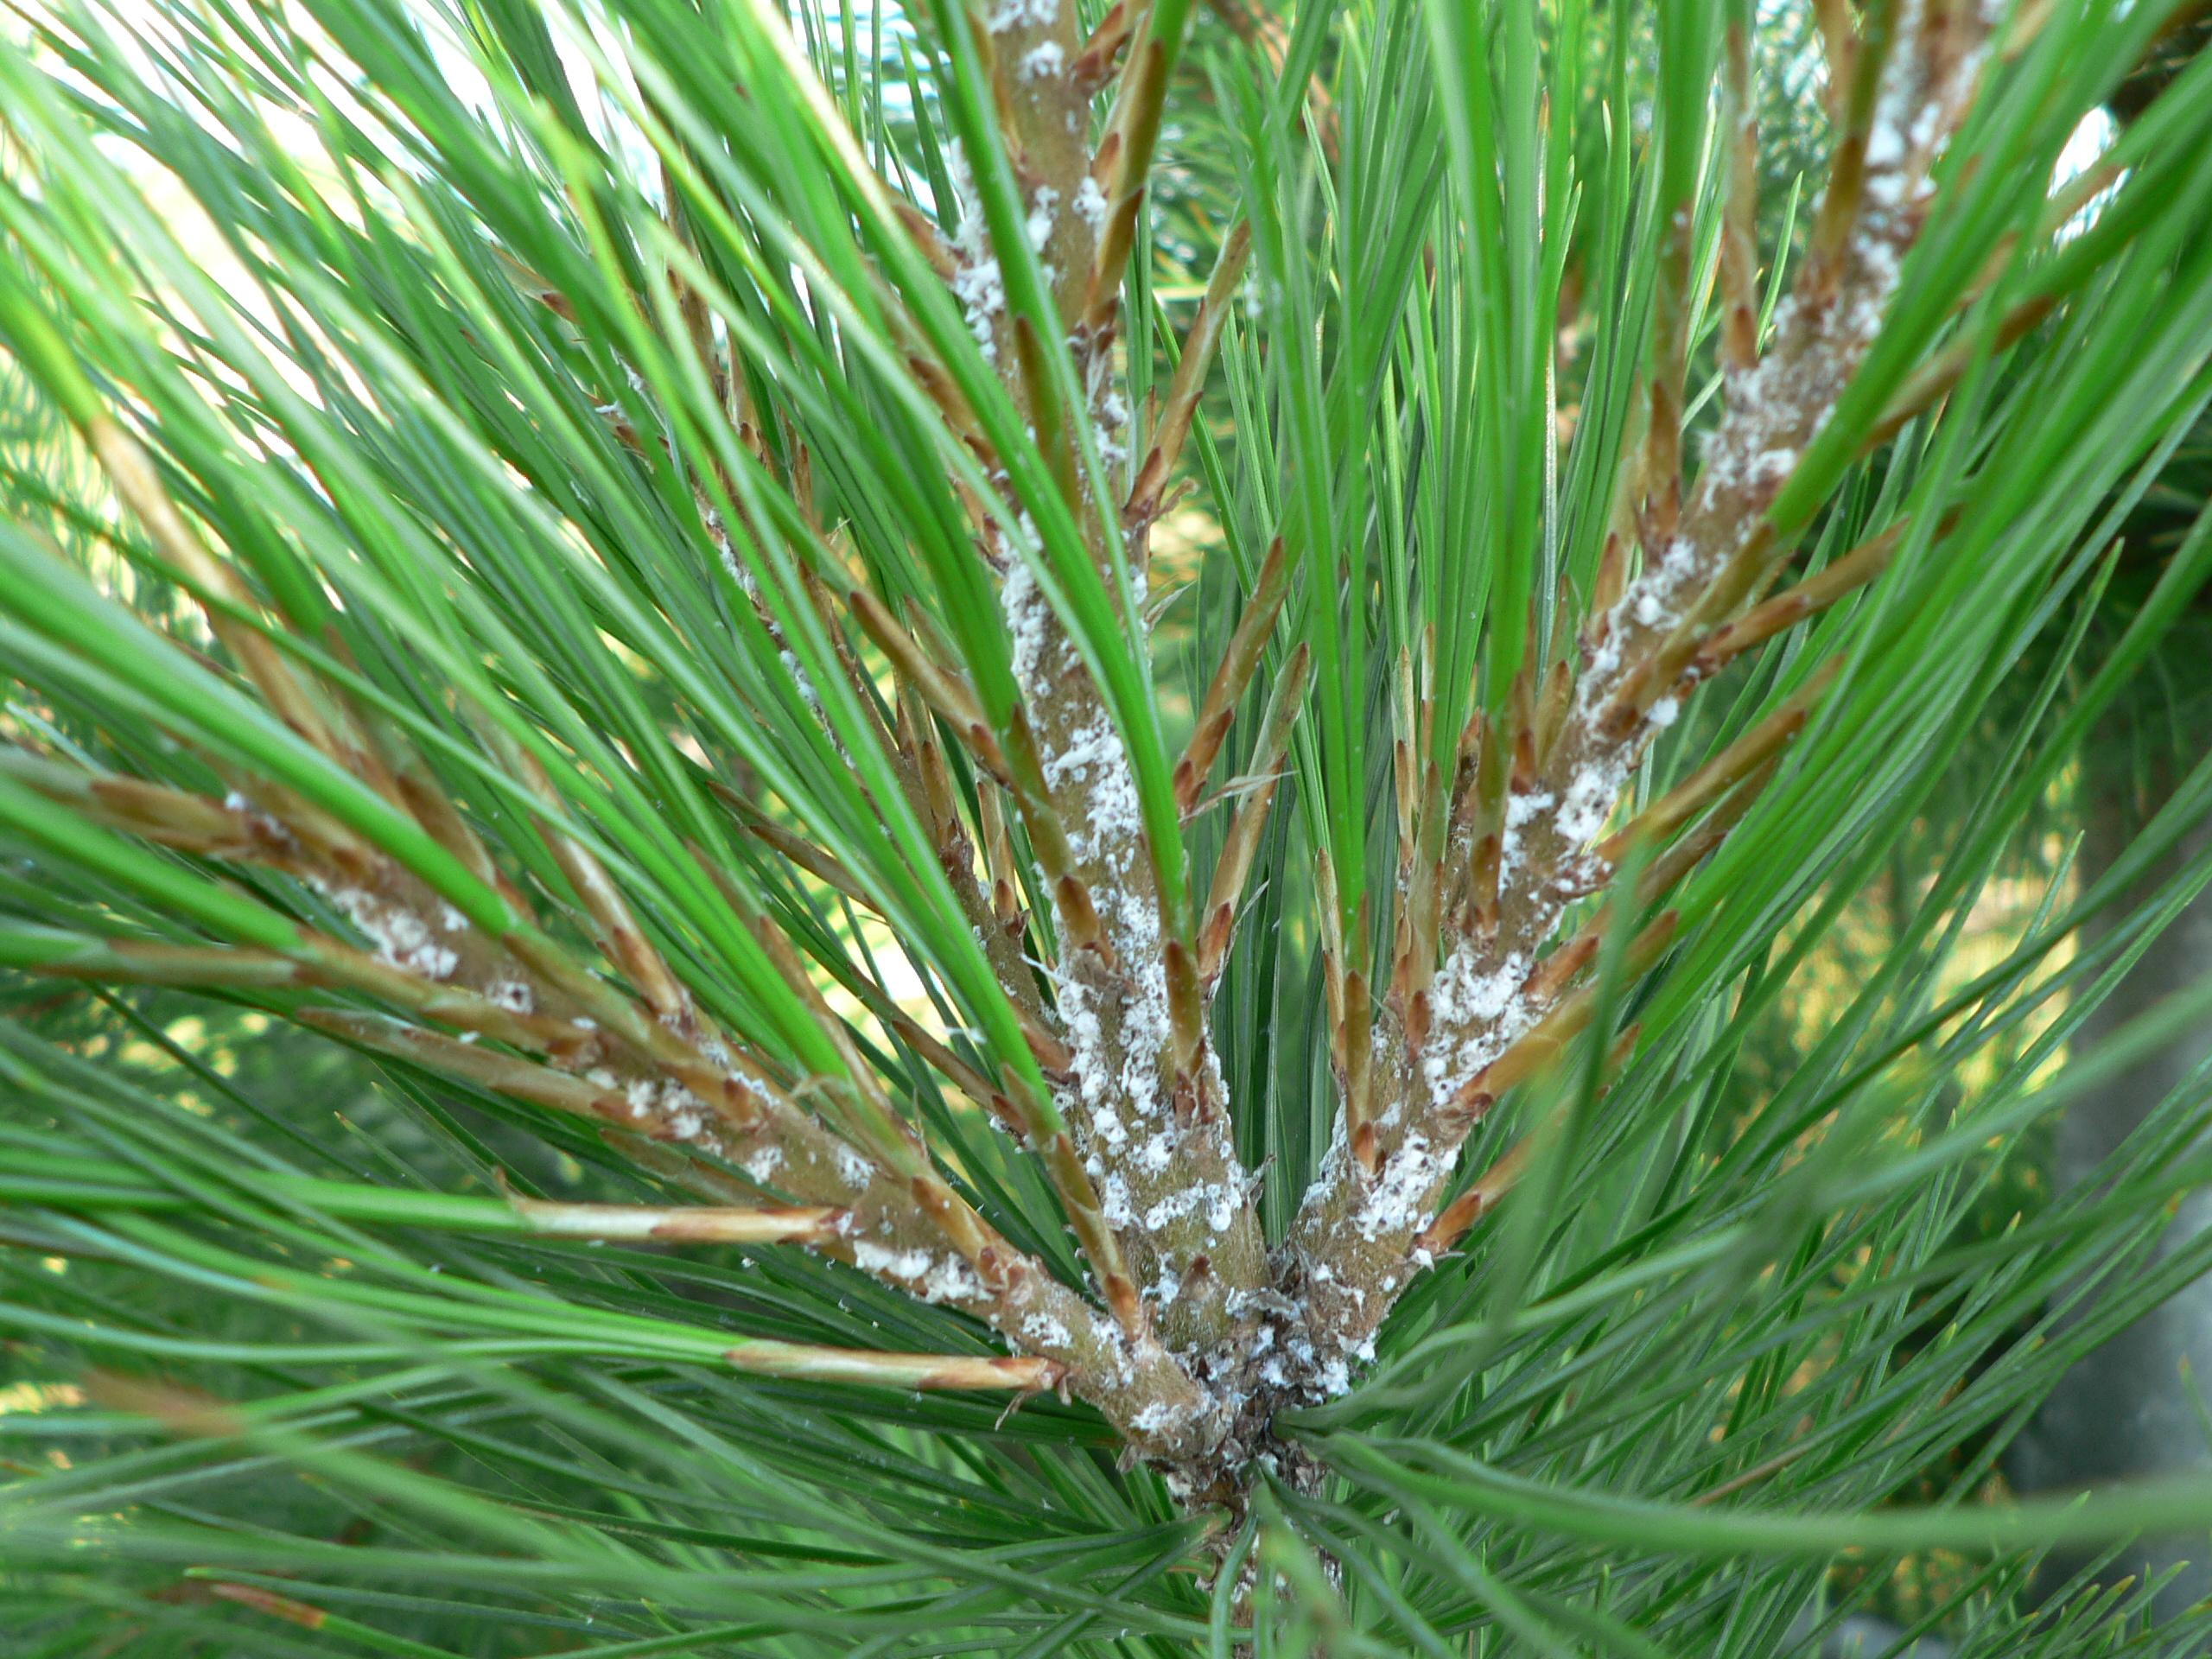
point(1199, 1332)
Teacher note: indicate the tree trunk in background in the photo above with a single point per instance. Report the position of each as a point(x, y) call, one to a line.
point(2132, 1407)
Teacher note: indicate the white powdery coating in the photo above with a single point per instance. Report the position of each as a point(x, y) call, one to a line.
point(1904, 118)
point(977, 281)
point(739, 572)
point(1090, 203)
point(1114, 1202)
point(953, 1280)
point(1042, 59)
point(1590, 800)
point(1652, 600)
point(1221, 1207)
point(1023, 14)
point(1474, 1014)
point(800, 684)
point(1045, 1331)
point(856, 1170)
point(1104, 836)
point(640, 1095)
point(1885, 147)
point(1520, 812)
point(1217, 1199)
point(399, 937)
point(763, 1163)
point(982, 293)
point(932, 1278)
point(908, 1265)
point(1118, 1032)
point(1038, 225)
point(1142, 1032)
point(1521, 808)
point(683, 1112)
point(1605, 662)
point(1463, 995)
point(1771, 465)
point(1113, 814)
point(1109, 413)
point(970, 233)
point(1029, 622)
point(1790, 391)
point(1878, 265)
point(512, 994)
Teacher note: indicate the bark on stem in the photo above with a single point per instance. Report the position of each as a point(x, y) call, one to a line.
point(1140, 1087)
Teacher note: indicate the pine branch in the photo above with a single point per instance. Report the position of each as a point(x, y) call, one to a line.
point(1141, 1095)
point(1535, 829)
point(564, 509)
point(658, 1076)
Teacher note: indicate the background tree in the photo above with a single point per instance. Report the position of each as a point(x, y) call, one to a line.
point(703, 659)
point(2133, 1404)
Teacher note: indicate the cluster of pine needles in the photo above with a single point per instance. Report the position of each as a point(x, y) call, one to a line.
point(848, 832)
